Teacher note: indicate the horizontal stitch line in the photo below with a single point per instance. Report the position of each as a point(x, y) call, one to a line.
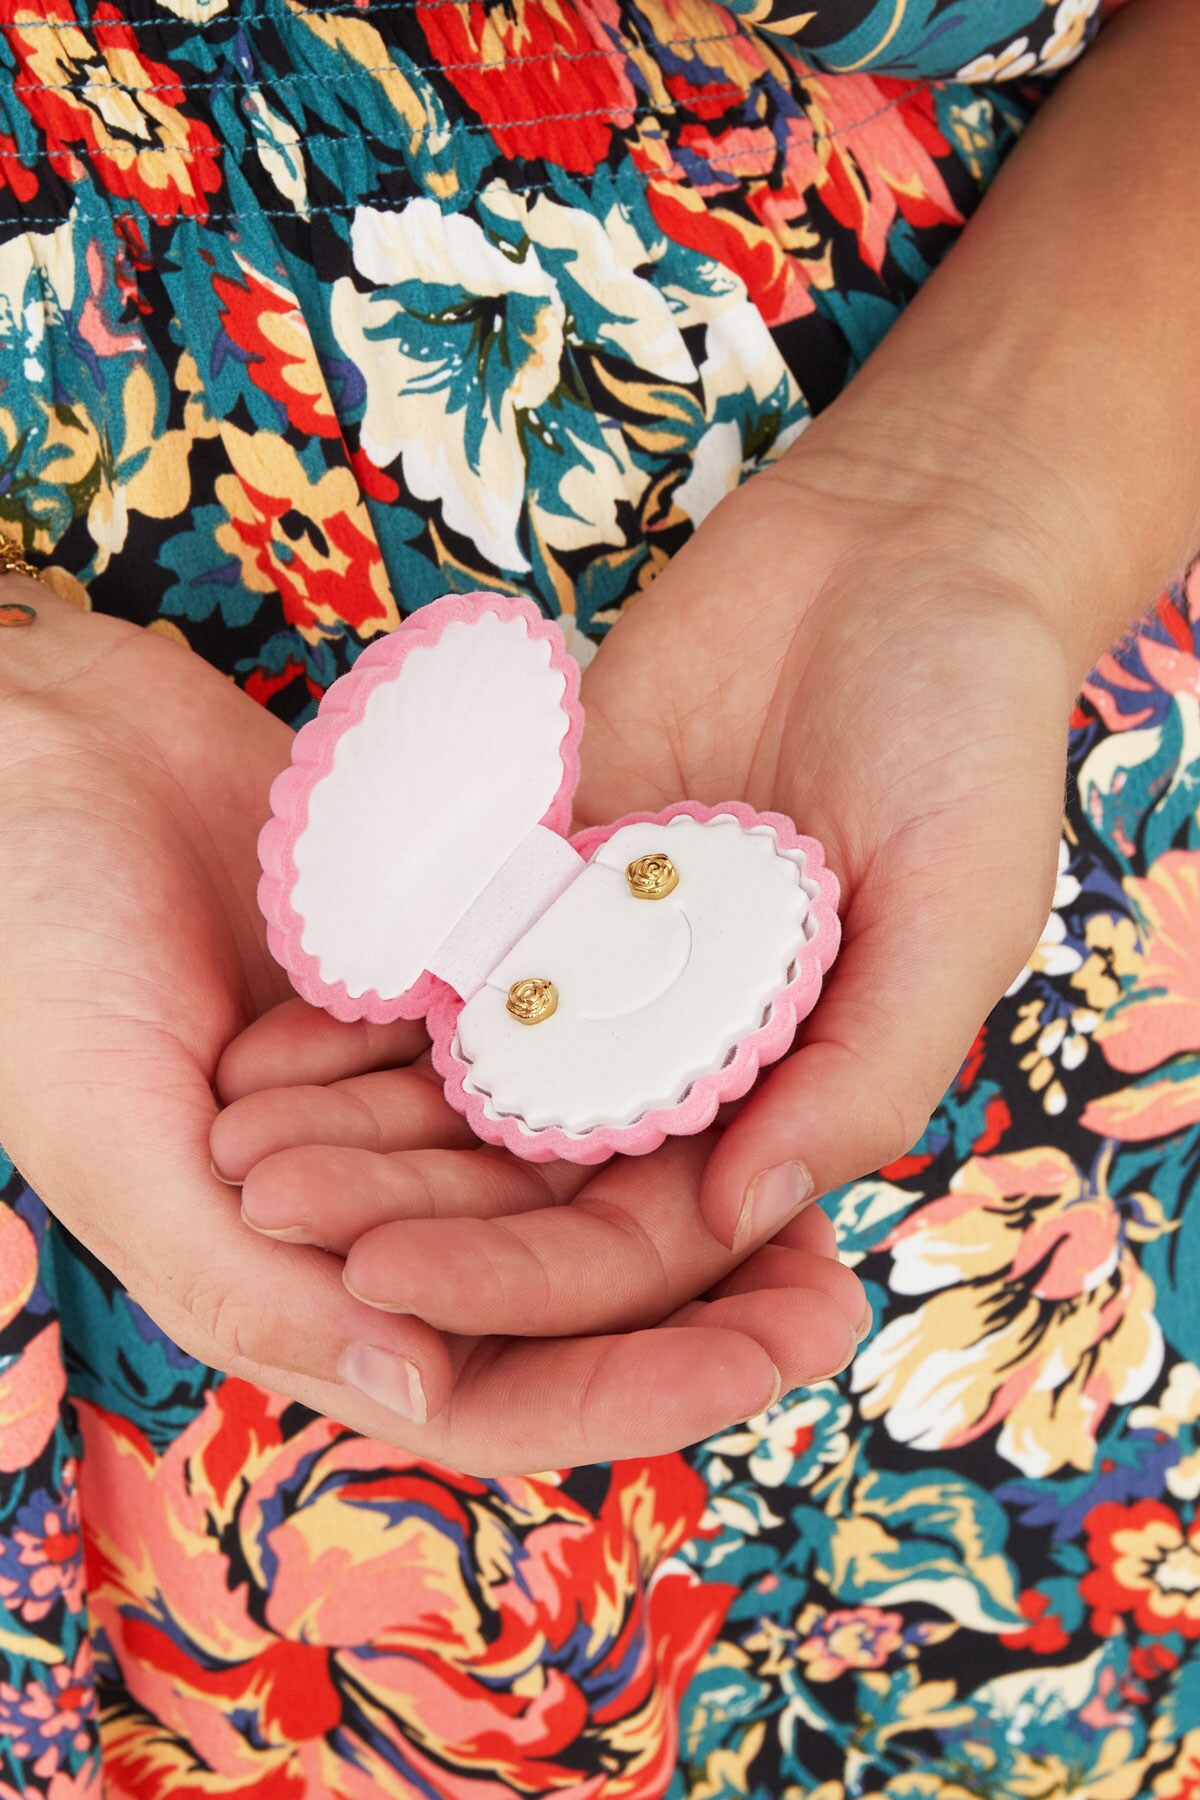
point(307, 78)
point(232, 18)
point(646, 175)
point(121, 146)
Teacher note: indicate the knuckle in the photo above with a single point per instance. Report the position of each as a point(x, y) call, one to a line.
point(895, 1113)
point(900, 1121)
point(234, 1334)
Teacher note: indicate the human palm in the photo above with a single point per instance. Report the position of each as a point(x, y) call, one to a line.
point(135, 781)
point(135, 788)
point(906, 707)
point(901, 704)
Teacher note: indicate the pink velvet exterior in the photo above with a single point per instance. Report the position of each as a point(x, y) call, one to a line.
point(312, 759)
point(697, 1110)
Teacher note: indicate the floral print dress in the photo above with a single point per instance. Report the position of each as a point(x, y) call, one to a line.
point(307, 315)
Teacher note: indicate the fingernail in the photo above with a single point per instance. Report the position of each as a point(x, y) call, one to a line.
point(228, 1180)
point(772, 1198)
point(287, 1234)
point(868, 1320)
point(391, 1306)
point(389, 1380)
point(849, 1357)
point(772, 1397)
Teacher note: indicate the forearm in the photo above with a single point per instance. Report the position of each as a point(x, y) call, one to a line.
point(1044, 387)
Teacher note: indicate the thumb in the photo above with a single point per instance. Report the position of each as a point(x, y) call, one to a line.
point(893, 1026)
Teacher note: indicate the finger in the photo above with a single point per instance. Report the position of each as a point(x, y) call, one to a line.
point(811, 1230)
point(153, 1212)
point(898, 1016)
point(804, 1332)
point(628, 1251)
point(297, 1044)
point(521, 1407)
point(774, 1266)
point(332, 1197)
point(395, 1109)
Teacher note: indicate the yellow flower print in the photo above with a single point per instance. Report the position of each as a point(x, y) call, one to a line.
point(1000, 65)
point(309, 541)
point(727, 1769)
point(1063, 1037)
point(1153, 1029)
point(1178, 1406)
point(1054, 955)
point(1182, 1780)
point(1037, 1318)
point(1115, 956)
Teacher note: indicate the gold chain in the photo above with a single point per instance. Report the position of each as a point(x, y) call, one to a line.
point(12, 562)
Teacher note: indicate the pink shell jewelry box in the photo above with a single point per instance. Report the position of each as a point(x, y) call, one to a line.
point(584, 994)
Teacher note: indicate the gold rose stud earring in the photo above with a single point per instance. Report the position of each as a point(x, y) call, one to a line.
point(652, 877)
point(532, 1000)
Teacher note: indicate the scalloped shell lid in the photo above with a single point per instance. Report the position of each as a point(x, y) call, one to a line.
point(426, 768)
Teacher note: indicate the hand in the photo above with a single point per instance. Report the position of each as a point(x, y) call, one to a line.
point(886, 674)
point(133, 778)
point(877, 673)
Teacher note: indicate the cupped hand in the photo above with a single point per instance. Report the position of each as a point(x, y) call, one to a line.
point(874, 670)
point(134, 778)
point(886, 673)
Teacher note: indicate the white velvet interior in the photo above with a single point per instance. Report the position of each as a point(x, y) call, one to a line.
point(652, 994)
point(541, 867)
point(451, 766)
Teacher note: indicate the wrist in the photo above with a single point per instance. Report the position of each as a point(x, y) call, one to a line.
point(969, 489)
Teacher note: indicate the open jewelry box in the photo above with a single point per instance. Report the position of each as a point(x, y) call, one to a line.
point(584, 994)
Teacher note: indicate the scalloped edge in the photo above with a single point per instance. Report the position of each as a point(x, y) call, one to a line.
point(313, 751)
point(697, 1110)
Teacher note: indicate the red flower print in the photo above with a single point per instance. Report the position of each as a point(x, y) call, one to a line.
point(14, 175)
point(106, 104)
point(864, 148)
point(1149, 1661)
point(310, 1613)
point(266, 321)
point(547, 79)
point(1044, 1634)
point(308, 540)
point(753, 251)
point(1146, 1569)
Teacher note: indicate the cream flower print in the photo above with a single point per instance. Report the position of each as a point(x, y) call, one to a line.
point(1054, 955)
point(1067, 38)
point(1035, 1318)
point(1177, 1409)
point(1071, 23)
point(796, 1440)
point(1058, 1044)
point(1000, 65)
point(468, 337)
point(488, 350)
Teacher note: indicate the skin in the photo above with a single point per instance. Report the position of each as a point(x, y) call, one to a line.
point(135, 781)
point(935, 565)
